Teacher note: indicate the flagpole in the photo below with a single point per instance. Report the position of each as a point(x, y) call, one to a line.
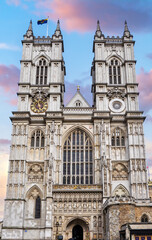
point(47, 31)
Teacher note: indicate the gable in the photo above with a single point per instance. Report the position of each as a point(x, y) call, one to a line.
point(78, 101)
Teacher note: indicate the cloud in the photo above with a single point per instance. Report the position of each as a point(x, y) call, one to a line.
point(9, 77)
point(5, 46)
point(145, 89)
point(81, 15)
point(5, 141)
point(149, 55)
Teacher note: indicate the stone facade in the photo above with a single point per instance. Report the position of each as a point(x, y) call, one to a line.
point(76, 171)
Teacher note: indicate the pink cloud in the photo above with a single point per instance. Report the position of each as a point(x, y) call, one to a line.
point(145, 89)
point(81, 15)
point(9, 77)
point(149, 55)
point(5, 141)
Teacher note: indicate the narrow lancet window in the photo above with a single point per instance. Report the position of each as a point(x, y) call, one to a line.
point(38, 207)
point(41, 73)
point(114, 72)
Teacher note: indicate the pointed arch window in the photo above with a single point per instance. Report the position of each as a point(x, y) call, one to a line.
point(78, 103)
point(37, 139)
point(38, 207)
point(118, 138)
point(77, 159)
point(114, 72)
point(41, 72)
point(144, 218)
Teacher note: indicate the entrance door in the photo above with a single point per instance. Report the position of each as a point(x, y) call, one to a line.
point(77, 232)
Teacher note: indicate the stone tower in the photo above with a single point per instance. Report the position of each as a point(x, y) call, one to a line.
point(74, 171)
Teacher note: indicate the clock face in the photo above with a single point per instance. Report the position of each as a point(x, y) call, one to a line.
point(116, 105)
point(39, 106)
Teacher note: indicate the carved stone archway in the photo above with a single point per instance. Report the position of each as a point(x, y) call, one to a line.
point(77, 222)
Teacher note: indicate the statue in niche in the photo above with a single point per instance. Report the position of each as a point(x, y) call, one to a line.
point(99, 221)
point(51, 160)
point(52, 128)
point(50, 170)
point(84, 205)
point(60, 206)
point(94, 221)
point(74, 205)
point(65, 206)
point(97, 129)
point(80, 205)
point(70, 205)
point(55, 206)
point(60, 220)
point(99, 205)
point(131, 132)
point(50, 186)
point(89, 206)
point(94, 204)
point(52, 131)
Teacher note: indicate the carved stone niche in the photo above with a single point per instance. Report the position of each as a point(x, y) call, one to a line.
point(35, 173)
point(120, 191)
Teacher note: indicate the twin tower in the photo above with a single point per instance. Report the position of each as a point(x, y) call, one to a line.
point(76, 171)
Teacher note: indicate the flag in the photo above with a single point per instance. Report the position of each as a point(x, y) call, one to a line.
point(42, 21)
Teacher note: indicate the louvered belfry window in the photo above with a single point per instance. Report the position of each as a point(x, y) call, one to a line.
point(77, 159)
point(41, 72)
point(114, 72)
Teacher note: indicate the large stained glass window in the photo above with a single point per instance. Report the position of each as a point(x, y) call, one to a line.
point(77, 159)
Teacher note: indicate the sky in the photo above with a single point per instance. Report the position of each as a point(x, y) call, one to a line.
point(78, 20)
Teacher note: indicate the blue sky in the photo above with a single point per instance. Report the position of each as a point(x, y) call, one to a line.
point(78, 24)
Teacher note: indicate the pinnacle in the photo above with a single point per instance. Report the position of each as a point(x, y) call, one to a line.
point(98, 26)
point(126, 30)
point(58, 25)
point(30, 26)
point(29, 32)
point(126, 27)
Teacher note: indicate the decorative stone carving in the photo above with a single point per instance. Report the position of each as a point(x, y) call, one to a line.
point(39, 94)
point(120, 172)
point(35, 173)
point(120, 191)
point(72, 202)
point(116, 93)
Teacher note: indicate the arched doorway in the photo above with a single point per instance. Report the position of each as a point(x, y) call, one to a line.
point(77, 232)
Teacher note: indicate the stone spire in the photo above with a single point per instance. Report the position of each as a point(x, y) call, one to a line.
point(57, 33)
point(29, 32)
point(98, 33)
point(58, 25)
point(126, 31)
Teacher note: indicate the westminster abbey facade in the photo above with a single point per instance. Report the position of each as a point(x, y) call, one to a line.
point(77, 171)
